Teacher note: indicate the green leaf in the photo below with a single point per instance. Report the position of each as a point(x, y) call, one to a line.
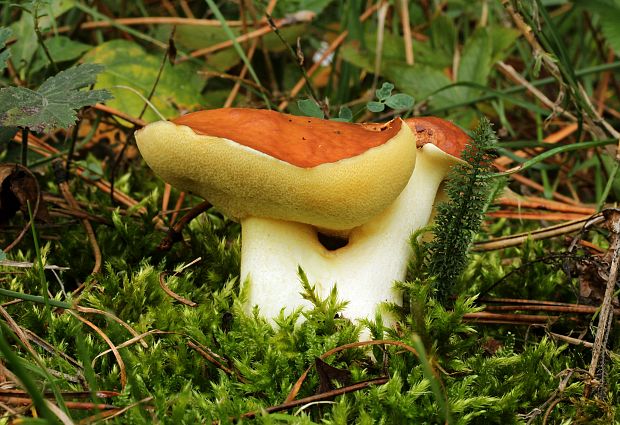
point(127, 64)
point(5, 33)
point(310, 108)
point(2, 255)
point(475, 62)
point(345, 114)
point(55, 103)
point(62, 49)
point(399, 101)
point(385, 91)
point(375, 106)
point(24, 48)
point(92, 167)
point(422, 82)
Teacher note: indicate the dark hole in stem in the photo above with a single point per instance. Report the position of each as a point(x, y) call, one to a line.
point(332, 243)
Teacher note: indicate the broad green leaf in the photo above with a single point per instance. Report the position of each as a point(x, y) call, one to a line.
point(25, 46)
point(55, 103)
point(385, 91)
point(375, 106)
point(127, 64)
point(5, 33)
point(443, 38)
point(422, 81)
point(475, 62)
point(399, 101)
point(502, 41)
point(481, 51)
point(62, 49)
point(310, 108)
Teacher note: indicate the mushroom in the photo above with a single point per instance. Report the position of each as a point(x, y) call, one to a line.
point(293, 182)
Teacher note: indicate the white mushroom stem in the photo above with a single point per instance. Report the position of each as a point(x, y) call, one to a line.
point(364, 270)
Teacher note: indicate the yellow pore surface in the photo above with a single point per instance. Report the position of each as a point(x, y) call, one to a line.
point(243, 182)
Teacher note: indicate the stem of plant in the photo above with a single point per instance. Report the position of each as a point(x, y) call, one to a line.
point(37, 250)
point(24, 158)
point(37, 31)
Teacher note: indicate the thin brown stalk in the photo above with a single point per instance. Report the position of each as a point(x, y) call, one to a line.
point(297, 386)
point(544, 233)
point(319, 397)
point(404, 17)
point(544, 204)
point(606, 315)
point(177, 207)
point(90, 310)
point(108, 110)
point(35, 210)
point(110, 414)
point(77, 405)
point(571, 340)
point(117, 355)
point(135, 339)
point(165, 199)
point(518, 215)
point(172, 294)
point(210, 357)
point(574, 309)
point(499, 318)
point(175, 232)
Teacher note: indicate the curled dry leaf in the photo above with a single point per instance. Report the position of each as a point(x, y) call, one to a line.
point(18, 186)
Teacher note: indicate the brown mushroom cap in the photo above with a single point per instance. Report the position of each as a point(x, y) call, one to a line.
point(442, 133)
point(445, 135)
point(259, 163)
point(301, 141)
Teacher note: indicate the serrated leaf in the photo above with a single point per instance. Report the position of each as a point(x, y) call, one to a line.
point(385, 91)
point(310, 108)
point(399, 101)
point(375, 106)
point(56, 101)
point(5, 33)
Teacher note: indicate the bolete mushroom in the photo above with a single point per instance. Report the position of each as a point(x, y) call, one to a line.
point(290, 180)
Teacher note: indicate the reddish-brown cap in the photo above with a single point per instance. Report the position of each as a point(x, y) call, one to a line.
point(301, 141)
point(442, 133)
point(445, 135)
